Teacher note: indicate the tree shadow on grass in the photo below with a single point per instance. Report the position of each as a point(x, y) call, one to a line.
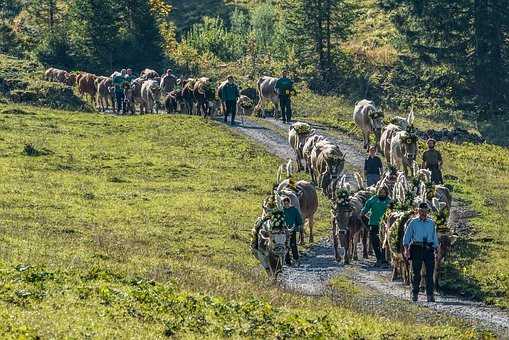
point(453, 281)
point(495, 130)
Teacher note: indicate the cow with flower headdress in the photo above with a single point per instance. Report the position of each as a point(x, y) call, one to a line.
point(270, 237)
point(400, 145)
point(298, 134)
point(348, 227)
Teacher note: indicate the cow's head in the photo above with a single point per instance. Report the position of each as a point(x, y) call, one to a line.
point(376, 121)
point(409, 147)
point(341, 213)
point(335, 165)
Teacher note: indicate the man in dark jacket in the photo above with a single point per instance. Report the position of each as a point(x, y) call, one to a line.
point(432, 160)
point(373, 167)
point(293, 220)
point(229, 95)
point(284, 88)
point(168, 82)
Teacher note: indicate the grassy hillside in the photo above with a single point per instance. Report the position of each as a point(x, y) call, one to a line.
point(139, 227)
point(479, 175)
point(21, 81)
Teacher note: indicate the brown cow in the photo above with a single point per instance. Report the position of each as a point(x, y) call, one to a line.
point(133, 96)
point(308, 202)
point(105, 93)
point(348, 225)
point(200, 96)
point(87, 85)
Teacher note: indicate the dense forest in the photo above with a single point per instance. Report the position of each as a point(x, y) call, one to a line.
point(446, 58)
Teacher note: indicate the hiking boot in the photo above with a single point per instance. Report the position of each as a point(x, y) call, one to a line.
point(415, 297)
point(431, 298)
point(378, 264)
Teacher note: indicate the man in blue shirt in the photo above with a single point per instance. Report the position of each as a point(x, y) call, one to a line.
point(420, 242)
point(293, 219)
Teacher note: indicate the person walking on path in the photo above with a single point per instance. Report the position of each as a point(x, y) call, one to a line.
point(421, 242)
point(118, 82)
point(373, 167)
point(229, 95)
point(168, 82)
point(293, 220)
point(432, 160)
point(284, 88)
point(377, 206)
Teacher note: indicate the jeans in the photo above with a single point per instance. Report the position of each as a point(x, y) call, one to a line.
point(119, 98)
point(420, 255)
point(231, 109)
point(286, 108)
point(372, 179)
point(293, 248)
point(375, 242)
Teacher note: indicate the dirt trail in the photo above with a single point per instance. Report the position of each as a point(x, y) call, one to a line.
point(318, 265)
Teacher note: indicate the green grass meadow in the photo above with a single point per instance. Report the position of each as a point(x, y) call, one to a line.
point(138, 227)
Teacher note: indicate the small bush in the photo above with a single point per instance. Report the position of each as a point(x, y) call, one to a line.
point(32, 151)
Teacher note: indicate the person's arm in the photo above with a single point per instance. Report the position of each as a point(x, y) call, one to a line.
point(237, 92)
point(366, 167)
point(367, 206)
point(435, 237)
point(423, 166)
point(298, 219)
point(407, 238)
point(440, 162)
point(221, 92)
point(277, 87)
point(380, 166)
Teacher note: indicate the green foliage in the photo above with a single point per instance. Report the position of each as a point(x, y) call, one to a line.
point(469, 48)
point(93, 33)
point(54, 49)
point(263, 18)
point(212, 36)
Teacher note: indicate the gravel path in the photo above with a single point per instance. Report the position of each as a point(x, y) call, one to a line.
point(318, 265)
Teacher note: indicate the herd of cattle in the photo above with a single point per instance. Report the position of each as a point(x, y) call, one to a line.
point(191, 95)
point(407, 185)
point(316, 154)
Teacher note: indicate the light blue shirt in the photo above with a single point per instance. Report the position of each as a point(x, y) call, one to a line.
point(419, 230)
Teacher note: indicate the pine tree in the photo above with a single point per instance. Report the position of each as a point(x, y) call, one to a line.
point(316, 27)
point(94, 34)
